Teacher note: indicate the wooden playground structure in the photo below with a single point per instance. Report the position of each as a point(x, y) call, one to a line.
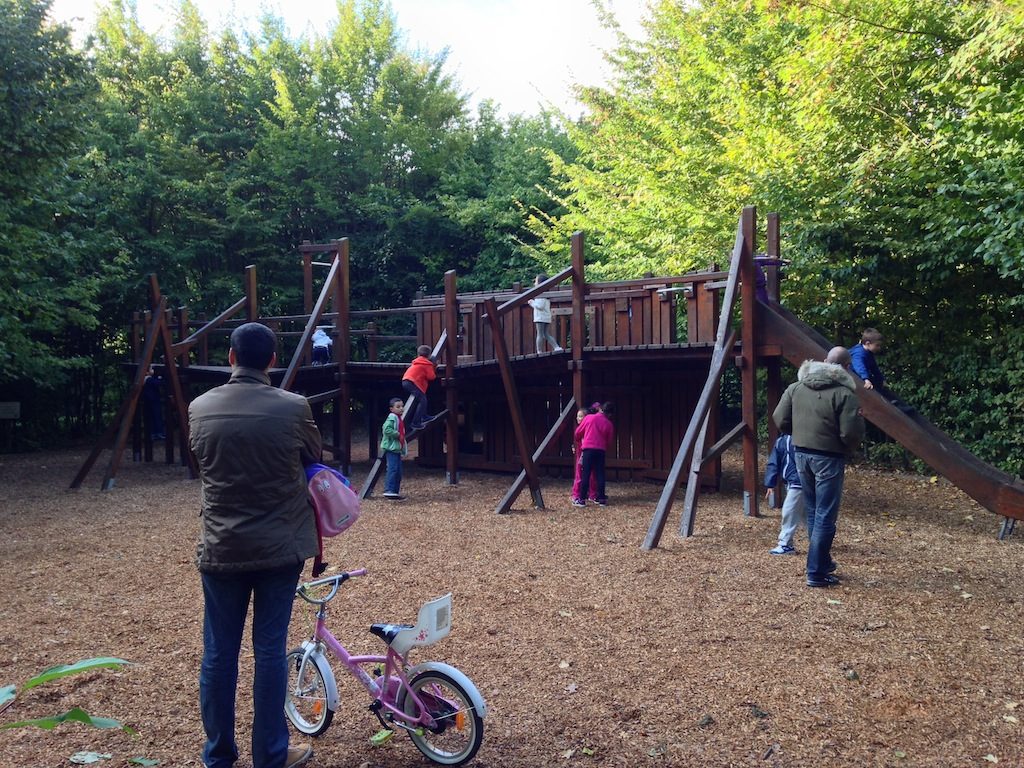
point(656, 346)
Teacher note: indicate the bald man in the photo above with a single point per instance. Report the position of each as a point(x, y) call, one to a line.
point(822, 413)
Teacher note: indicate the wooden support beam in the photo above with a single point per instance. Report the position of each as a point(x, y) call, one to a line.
point(698, 458)
point(773, 249)
point(307, 334)
point(748, 372)
point(723, 444)
point(577, 329)
point(553, 434)
point(178, 396)
point(514, 406)
point(252, 299)
point(718, 358)
point(342, 349)
point(123, 419)
point(451, 392)
point(186, 344)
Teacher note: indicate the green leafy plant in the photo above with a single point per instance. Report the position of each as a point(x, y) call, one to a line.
point(9, 693)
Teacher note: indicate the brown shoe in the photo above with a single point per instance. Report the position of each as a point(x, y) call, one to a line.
point(299, 754)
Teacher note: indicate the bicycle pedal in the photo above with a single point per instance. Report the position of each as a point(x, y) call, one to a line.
point(383, 736)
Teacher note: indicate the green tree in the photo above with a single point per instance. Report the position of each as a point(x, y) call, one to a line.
point(48, 290)
point(888, 135)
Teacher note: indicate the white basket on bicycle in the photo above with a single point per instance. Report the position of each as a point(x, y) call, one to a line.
point(433, 623)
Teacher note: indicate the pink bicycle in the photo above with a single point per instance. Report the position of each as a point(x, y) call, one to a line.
point(436, 704)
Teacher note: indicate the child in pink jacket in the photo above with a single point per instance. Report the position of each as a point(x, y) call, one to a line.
point(577, 457)
point(594, 435)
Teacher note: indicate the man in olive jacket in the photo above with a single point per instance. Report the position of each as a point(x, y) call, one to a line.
point(822, 413)
point(251, 441)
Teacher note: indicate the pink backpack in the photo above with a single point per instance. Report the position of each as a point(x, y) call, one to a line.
point(335, 506)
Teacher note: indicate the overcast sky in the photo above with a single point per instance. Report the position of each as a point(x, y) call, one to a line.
point(520, 53)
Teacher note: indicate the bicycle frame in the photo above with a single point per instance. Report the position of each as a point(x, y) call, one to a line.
point(380, 689)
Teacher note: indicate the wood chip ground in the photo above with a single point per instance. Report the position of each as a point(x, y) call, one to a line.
point(588, 650)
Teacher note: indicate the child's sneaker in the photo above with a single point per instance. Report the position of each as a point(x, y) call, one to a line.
point(601, 502)
point(579, 503)
point(782, 549)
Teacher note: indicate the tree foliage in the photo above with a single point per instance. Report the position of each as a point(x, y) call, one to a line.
point(194, 155)
point(889, 136)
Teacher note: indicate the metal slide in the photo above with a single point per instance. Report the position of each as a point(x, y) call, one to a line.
point(994, 489)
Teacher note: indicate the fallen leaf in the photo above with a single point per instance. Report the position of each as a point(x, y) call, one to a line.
point(991, 758)
point(588, 751)
point(899, 754)
point(148, 761)
point(1011, 719)
point(1012, 704)
point(563, 665)
point(966, 595)
point(571, 688)
point(851, 674)
point(568, 753)
point(834, 602)
point(565, 614)
point(86, 758)
point(705, 721)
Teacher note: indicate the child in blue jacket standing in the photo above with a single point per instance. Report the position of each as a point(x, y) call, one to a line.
point(782, 463)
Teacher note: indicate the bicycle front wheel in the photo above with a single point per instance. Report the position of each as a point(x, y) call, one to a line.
point(458, 730)
point(306, 705)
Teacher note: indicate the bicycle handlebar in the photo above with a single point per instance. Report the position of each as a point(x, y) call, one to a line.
point(335, 581)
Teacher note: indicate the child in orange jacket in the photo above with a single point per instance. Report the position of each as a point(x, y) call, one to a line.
point(417, 378)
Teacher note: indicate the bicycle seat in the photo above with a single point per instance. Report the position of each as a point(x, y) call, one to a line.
point(433, 623)
point(388, 632)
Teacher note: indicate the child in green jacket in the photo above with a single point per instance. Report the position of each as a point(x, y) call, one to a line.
point(393, 446)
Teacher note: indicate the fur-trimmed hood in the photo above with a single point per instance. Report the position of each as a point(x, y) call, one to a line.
point(816, 375)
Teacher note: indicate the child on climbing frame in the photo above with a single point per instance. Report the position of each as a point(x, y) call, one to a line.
point(595, 435)
point(394, 447)
point(577, 459)
point(542, 319)
point(417, 378)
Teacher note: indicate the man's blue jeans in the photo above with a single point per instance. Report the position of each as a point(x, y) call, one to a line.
point(393, 476)
point(226, 597)
point(822, 480)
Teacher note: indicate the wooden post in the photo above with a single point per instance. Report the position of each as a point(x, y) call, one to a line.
point(307, 279)
point(451, 322)
point(718, 358)
point(169, 424)
point(180, 404)
point(342, 354)
point(252, 304)
point(183, 333)
point(122, 421)
point(307, 290)
point(773, 365)
point(748, 373)
point(371, 342)
point(204, 343)
point(578, 330)
point(515, 406)
point(773, 252)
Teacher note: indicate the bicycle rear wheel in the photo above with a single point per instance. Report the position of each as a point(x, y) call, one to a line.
point(306, 705)
point(458, 731)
